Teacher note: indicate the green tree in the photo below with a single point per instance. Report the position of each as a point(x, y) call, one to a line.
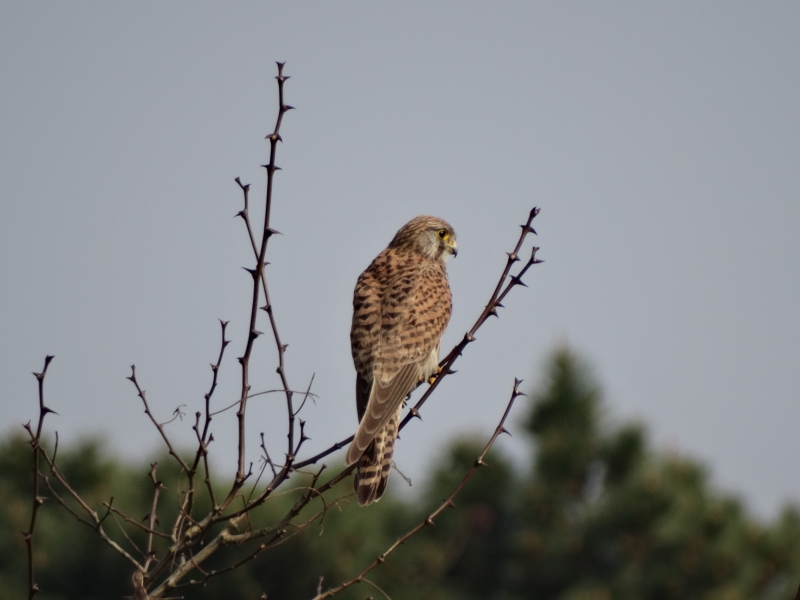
point(600, 515)
point(604, 516)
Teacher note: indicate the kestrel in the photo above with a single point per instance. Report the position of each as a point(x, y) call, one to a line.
point(401, 306)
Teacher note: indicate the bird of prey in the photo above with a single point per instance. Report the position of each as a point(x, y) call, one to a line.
point(401, 306)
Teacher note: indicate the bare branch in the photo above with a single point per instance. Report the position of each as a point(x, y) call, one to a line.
point(203, 440)
point(134, 522)
point(278, 391)
point(259, 281)
point(36, 500)
point(279, 537)
point(191, 541)
point(95, 522)
point(141, 394)
point(157, 487)
point(430, 518)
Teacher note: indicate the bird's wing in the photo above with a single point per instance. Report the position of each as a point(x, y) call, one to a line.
point(415, 310)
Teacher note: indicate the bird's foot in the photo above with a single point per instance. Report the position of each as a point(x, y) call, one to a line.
point(435, 376)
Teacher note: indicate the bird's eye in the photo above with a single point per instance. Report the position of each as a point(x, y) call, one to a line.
point(443, 233)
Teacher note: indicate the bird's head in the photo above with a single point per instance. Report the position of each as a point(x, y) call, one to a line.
point(430, 236)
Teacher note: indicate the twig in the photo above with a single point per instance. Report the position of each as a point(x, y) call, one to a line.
point(373, 584)
point(258, 282)
point(134, 522)
point(157, 487)
point(429, 519)
point(95, 520)
point(278, 391)
point(399, 472)
point(307, 394)
point(279, 537)
point(37, 500)
point(498, 296)
point(141, 394)
point(205, 438)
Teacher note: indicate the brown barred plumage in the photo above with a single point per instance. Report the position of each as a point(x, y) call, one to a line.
point(401, 307)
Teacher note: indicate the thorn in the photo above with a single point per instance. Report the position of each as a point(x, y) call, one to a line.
point(266, 308)
point(415, 413)
point(512, 257)
point(287, 107)
point(534, 213)
point(242, 213)
point(284, 347)
point(274, 137)
point(252, 272)
point(493, 313)
point(254, 333)
point(270, 231)
point(516, 280)
point(46, 410)
point(529, 229)
point(504, 430)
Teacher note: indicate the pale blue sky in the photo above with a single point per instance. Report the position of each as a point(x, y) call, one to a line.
point(661, 141)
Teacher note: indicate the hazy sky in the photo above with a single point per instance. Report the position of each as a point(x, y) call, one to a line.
point(661, 141)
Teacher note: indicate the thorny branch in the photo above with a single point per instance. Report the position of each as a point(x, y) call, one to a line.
point(157, 487)
point(430, 518)
point(159, 426)
point(259, 281)
point(37, 500)
point(174, 552)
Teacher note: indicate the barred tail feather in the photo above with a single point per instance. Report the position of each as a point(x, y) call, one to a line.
point(374, 466)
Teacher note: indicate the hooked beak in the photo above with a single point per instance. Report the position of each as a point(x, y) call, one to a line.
point(453, 248)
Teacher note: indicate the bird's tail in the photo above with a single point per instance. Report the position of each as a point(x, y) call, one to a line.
point(373, 467)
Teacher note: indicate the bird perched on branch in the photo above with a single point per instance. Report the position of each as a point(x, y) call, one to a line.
point(401, 306)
